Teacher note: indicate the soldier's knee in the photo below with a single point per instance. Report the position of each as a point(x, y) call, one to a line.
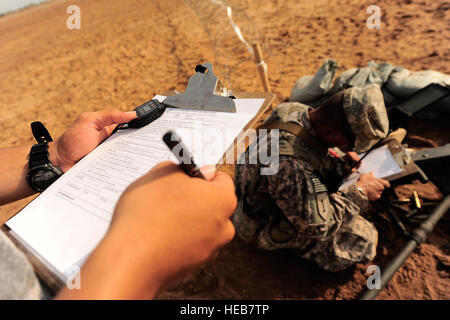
point(353, 243)
point(368, 237)
point(371, 242)
point(356, 242)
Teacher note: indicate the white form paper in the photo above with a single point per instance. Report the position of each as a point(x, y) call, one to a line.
point(380, 161)
point(67, 221)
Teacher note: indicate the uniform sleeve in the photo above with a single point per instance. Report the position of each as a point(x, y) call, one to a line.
point(358, 198)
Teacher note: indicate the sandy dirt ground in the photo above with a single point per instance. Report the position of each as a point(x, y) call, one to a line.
point(127, 51)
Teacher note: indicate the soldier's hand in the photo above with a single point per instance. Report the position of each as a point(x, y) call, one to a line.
point(352, 161)
point(372, 187)
point(84, 135)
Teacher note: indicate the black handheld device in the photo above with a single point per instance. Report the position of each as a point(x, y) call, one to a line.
point(146, 113)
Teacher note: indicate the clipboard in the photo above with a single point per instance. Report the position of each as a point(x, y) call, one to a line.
point(394, 154)
point(410, 169)
point(253, 124)
point(51, 277)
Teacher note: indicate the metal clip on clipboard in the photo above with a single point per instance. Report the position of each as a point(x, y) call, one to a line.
point(199, 95)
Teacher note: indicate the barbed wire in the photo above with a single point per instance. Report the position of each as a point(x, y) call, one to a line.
point(231, 32)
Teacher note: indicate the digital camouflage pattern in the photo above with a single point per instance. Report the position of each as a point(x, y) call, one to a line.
point(366, 114)
point(283, 210)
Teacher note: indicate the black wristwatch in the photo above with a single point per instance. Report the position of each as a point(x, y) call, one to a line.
point(42, 173)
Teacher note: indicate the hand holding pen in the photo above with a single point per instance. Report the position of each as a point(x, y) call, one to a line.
point(353, 161)
point(350, 162)
point(187, 163)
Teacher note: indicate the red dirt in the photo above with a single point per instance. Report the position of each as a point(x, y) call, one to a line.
point(127, 51)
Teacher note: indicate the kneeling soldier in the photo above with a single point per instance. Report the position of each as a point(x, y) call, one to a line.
point(300, 206)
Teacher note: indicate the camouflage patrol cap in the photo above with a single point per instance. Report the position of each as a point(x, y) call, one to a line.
point(366, 113)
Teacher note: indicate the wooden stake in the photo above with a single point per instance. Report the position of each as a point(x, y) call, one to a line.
point(262, 67)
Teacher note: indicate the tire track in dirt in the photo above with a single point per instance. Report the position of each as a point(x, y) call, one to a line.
point(172, 42)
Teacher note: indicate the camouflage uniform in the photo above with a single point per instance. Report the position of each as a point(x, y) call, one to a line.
point(298, 207)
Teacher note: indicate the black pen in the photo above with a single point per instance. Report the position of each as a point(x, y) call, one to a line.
point(174, 143)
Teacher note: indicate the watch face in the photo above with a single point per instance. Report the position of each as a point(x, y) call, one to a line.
point(41, 179)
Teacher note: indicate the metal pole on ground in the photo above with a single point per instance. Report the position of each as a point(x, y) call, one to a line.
point(418, 236)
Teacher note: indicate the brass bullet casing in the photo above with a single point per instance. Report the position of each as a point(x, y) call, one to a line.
point(417, 200)
point(402, 200)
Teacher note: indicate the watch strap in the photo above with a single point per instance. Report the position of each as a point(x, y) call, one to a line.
point(39, 160)
point(42, 173)
point(40, 133)
point(38, 155)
